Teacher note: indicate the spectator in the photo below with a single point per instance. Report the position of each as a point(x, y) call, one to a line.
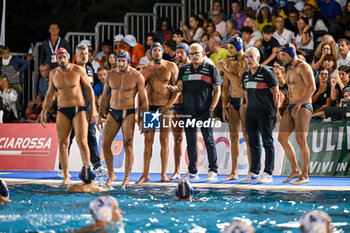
point(50, 45)
point(331, 10)
point(270, 46)
point(315, 221)
point(291, 22)
point(205, 43)
point(346, 14)
point(169, 50)
point(164, 31)
point(322, 50)
point(43, 85)
point(13, 68)
point(118, 45)
point(264, 17)
point(95, 63)
point(150, 39)
point(34, 108)
point(282, 35)
point(303, 40)
point(280, 73)
point(178, 36)
point(339, 81)
point(9, 97)
point(237, 14)
point(330, 63)
point(106, 49)
point(217, 6)
point(251, 7)
point(98, 88)
point(110, 61)
point(218, 53)
point(84, 42)
point(249, 22)
point(219, 24)
point(231, 29)
point(322, 94)
point(136, 49)
point(247, 36)
point(196, 31)
point(315, 20)
point(344, 52)
point(210, 28)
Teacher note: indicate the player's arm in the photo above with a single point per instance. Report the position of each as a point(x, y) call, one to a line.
point(307, 75)
point(223, 67)
point(143, 99)
point(175, 95)
point(48, 100)
point(104, 101)
point(84, 80)
point(276, 97)
point(224, 95)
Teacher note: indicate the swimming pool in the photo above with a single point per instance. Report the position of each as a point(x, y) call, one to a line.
point(50, 208)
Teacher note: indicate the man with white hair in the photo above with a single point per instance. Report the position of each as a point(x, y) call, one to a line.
point(260, 87)
point(199, 83)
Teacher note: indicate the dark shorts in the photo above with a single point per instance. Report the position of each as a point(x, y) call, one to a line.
point(154, 108)
point(71, 111)
point(236, 102)
point(307, 106)
point(120, 115)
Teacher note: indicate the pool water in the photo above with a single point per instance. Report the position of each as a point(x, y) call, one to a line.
point(49, 208)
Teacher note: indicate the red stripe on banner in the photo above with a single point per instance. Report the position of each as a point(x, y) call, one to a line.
point(206, 79)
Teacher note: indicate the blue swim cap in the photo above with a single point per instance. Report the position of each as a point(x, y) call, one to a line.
point(86, 174)
point(183, 46)
point(237, 42)
point(184, 189)
point(4, 191)
point(155, 44)
point(122, 54)
point(290, 49)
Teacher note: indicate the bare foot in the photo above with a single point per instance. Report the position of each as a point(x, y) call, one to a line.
point(292, 176)
point(175, 176)
point(301, 180)
point(110, 179)
point(66, 181)
point(230, 177)
point(142, 179)
point(126, 181)
point(165, 179)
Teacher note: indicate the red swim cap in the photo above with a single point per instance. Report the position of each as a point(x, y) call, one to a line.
point(61, 50)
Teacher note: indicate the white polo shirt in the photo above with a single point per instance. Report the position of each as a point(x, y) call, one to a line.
point(284, 38)
point(345, 61)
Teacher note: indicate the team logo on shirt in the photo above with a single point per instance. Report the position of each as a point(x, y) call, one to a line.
point(151, 120)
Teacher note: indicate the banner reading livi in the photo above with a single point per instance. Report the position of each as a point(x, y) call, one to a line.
point(329, 145)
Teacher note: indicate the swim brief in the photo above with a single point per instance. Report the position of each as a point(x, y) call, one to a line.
point(71, 111)
point(120, 115)
point(307, 106)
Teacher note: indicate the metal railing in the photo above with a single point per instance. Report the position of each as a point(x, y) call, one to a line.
point(106, 31)
point(196, 6)
point(74, 38)
point(139, 24)
point(175, 12)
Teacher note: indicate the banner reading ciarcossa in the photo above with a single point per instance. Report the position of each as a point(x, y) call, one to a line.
point(329, 145)
point(28, 147)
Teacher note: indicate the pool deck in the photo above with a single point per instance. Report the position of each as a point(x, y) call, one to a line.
point(316, 183)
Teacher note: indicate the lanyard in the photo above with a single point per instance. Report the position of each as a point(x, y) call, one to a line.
point(58, 42)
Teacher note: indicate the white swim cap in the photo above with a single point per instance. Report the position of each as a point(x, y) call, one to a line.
point(238, 227)
point(102, 208)
point(314, 221)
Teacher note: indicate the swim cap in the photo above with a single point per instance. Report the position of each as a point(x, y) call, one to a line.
point(122, 54)
point(184, 189)
point(238, 227)
point(314, 221)
point(155, 44)
point(289, 48)
point(183, 46)
point(86, 174)
point(237, 42)
point(101, 208)
point(62, 50)
point(345, 90)
point(4, 191)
